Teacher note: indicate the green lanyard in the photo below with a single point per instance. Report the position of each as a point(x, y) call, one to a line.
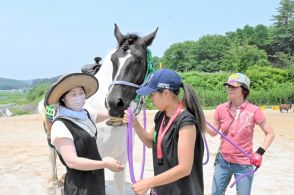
point(150, 69)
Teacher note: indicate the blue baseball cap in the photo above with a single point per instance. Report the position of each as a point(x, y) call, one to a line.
point(161, 79)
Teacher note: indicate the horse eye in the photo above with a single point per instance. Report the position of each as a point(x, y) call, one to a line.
point(125, 47)
point(131, 41)
point(140, 60)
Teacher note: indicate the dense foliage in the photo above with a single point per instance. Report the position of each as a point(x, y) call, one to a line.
point(37, 92)
point(269, 86)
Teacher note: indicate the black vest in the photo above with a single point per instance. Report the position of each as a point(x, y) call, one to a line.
point(83, 182)
point(191, 184)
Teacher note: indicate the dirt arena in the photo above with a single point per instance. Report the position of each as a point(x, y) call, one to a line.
point(24, 161)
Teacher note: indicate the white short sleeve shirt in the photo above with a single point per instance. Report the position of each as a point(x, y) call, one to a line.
point(59, 130)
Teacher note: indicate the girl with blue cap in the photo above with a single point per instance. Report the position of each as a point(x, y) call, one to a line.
point(176, 138)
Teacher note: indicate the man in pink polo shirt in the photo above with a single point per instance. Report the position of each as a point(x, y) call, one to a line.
point(236, 120)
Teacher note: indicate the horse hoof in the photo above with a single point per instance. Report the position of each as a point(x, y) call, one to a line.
point(51, 190)
point(60, 182)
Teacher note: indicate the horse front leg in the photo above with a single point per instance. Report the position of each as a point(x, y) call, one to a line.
point(119, 177)
point(52, 180)
point(111, 141)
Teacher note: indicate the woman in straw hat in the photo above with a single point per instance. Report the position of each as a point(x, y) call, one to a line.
point(236, 119)
point(74, 134)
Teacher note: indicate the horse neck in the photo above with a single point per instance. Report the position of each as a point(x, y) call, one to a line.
point(104, 76)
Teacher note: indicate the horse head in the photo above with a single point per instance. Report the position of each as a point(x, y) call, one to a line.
point(129, 69)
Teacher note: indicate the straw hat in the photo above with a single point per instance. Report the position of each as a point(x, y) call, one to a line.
point(70, 81)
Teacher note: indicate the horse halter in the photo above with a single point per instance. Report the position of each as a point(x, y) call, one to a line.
point(139, 100)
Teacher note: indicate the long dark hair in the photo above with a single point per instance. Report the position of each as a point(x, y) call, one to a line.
point(192, 103)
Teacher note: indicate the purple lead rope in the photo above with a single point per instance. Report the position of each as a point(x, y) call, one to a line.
point(144, 148)
point(239, 148)
point(130, 147)
point(244, 175)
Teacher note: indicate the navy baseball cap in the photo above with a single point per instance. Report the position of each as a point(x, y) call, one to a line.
point(161, 79)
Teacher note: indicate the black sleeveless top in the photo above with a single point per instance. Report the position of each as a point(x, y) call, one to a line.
point(191, 184)
point(79, 182)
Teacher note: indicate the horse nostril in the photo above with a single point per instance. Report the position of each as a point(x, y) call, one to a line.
point(120, 103)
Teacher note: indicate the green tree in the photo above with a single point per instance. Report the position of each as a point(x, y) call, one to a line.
point(258, 35)
point(267, 77)
point(176, 57)
point(155, 62)
point(282, 60)
point(240, 58)
point(208, 53)
point(203, 55)
point(283, 33)
point(38, 91)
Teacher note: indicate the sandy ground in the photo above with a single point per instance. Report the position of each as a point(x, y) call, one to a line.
point(24, 161)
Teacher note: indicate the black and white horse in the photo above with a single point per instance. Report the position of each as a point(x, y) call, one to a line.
point(122, 71)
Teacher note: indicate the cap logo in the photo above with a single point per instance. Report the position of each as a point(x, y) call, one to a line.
point(163, 85)
point(234, 76)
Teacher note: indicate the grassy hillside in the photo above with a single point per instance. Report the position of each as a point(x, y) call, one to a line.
point(23, 102)
point(8, 84)
point(13, 98)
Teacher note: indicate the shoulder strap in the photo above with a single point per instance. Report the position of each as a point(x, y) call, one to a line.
point(88, 114)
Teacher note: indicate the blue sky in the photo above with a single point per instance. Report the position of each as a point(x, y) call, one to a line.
point(42, 38)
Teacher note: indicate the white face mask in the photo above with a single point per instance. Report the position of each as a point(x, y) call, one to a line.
point(75, 101)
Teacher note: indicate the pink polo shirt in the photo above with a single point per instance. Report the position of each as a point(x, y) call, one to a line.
point(238, 128)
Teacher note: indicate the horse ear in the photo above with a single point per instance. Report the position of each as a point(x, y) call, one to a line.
point(119, 36)
point(149, 38)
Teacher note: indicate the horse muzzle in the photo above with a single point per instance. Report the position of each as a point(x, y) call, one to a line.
point(115, 122)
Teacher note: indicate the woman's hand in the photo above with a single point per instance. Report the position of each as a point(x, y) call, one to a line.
point(145, 137)
point(141, 187)
point(113, 165)
point(135, 122)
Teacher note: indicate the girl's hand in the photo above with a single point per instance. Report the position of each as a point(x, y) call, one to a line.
point(135, 123)
point(113, 164)
point(141, 187)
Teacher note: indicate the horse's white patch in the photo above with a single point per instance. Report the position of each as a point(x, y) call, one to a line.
point(122, 62)
point(104, 77)
point(121, 65)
